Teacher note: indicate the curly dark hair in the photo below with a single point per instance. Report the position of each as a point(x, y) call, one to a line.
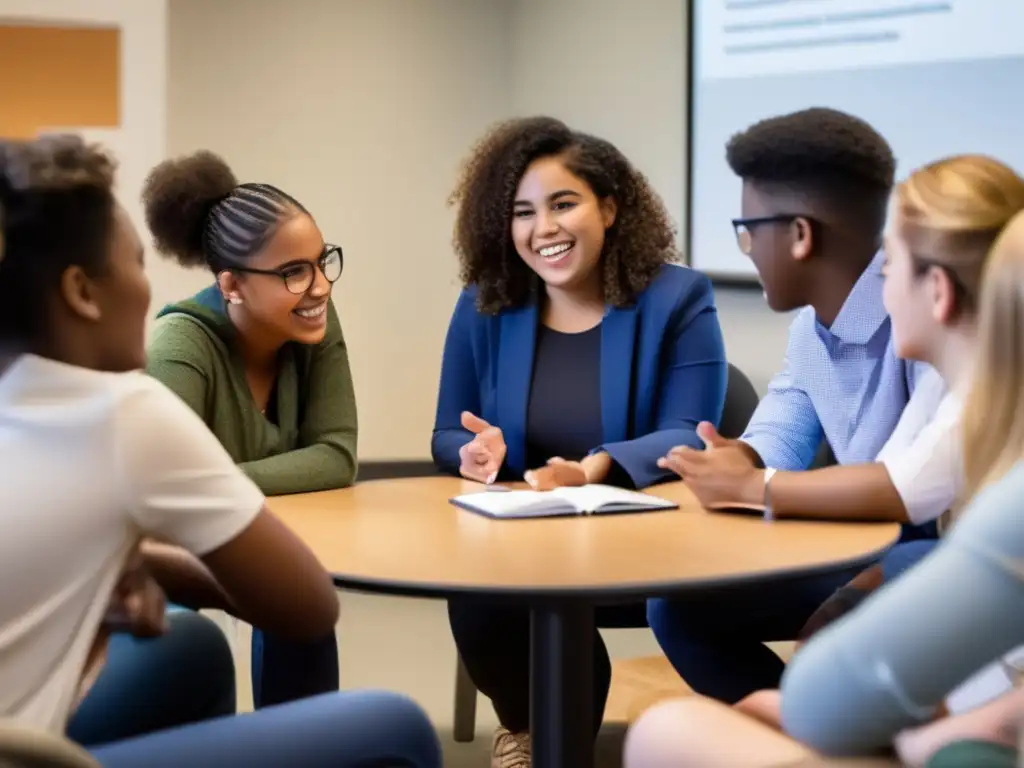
point(201, 216)
point(57, 210)
point(836, 158)
point(641, 239)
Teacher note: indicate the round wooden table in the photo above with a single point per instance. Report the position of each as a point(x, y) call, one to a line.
point(403, 537)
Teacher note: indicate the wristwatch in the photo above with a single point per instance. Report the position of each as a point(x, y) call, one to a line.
point(768, 513)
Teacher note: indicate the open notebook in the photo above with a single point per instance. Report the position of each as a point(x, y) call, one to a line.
point(561, 502)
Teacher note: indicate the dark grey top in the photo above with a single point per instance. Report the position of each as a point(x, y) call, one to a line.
point(887, 665)
point(563, 415)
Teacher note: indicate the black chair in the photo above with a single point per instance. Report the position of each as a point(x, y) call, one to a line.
point(740, 401)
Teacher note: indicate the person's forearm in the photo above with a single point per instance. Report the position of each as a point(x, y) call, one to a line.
point(323, 467)
point(596, 466)
point(445, 445)
point(184, 579)
point(851, 492)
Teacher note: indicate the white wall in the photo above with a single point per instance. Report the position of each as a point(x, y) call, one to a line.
point(618, 69)
point(362, 109)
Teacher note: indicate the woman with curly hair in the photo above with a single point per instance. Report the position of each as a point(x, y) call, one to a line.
point(577, 353)
point(259, 356)
point(99, 461)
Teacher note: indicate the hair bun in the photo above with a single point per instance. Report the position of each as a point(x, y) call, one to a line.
point(178, 196)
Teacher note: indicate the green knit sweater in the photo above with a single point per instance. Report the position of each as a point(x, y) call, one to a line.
point(310, 445)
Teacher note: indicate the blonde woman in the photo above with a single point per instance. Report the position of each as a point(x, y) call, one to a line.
point(886, 667)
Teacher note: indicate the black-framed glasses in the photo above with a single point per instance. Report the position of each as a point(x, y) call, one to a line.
point(298, 276)
point(744, 227)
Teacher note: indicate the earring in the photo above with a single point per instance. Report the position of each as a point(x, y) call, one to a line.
point(235, 298)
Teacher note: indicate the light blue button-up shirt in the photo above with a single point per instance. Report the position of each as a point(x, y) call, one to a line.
point(843, 383)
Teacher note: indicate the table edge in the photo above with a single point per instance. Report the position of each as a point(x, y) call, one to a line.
point(626, 591)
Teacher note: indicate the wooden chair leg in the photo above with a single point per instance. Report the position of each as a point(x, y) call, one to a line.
point(464, 728)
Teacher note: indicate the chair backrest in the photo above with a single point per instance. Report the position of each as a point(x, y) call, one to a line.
point(824, 457)
point(740, 401)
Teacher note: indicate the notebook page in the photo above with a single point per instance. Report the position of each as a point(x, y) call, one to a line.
point(590, 498)
point(512, 502)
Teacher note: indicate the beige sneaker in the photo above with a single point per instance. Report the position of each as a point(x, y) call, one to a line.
point(510, 750)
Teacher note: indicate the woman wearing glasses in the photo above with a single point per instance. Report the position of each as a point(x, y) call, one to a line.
point(259, 355)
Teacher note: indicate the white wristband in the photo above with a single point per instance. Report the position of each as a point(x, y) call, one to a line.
point(768, 513)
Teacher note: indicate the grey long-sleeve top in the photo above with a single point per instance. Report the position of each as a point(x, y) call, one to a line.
point(889, 664)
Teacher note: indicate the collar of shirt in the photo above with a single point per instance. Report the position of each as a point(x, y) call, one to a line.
point(863, 312)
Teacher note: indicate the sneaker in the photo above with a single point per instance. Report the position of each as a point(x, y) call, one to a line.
point(510, 750)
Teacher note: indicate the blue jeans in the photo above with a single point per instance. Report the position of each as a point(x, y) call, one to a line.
point(185, 676)
point(715, 638)
point(904, 555)
point(286, 670)
point(366, 729)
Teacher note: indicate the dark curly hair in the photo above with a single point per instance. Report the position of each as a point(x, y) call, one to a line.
point(56, 211)
point(835, 158)
point(201, 216)
point(641, 239)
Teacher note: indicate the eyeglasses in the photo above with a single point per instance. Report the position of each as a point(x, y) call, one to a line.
point(299, 276)
point(744, 227)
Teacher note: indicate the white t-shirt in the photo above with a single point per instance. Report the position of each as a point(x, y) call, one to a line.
point(923, 454)
point(92, 462)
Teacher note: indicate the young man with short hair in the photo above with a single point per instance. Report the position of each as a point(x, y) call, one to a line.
point(816, 187)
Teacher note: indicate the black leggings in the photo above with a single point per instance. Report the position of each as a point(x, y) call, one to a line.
point(494, 642)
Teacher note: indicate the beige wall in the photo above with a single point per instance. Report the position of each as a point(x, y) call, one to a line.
point(363, 110)
point(618, 69)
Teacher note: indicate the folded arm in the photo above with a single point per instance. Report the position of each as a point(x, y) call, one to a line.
point(691, 389)
point(183, 577)
point(916, 638)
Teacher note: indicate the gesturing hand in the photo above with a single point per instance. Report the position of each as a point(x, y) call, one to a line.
point(481, 457)
point(723, 472)
point(558, 473)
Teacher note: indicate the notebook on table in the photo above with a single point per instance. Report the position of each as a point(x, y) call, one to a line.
point(561, 502)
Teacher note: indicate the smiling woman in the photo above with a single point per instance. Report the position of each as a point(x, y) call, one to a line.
point(577, 353)
point(259, 355)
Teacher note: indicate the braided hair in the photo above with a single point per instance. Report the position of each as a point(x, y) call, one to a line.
point(201, 216)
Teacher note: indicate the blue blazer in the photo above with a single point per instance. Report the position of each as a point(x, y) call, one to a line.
point(663, 371)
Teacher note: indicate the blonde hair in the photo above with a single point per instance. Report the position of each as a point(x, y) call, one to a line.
point(950, 213)
point(962, 214)
point(993, 420)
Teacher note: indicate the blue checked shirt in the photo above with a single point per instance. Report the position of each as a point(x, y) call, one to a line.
point(843, 383)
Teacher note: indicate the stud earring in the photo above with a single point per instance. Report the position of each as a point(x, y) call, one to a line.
point(235, 298)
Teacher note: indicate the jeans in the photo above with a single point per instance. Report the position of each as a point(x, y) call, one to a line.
point(185, 676)
point(904, 555)
point(494, 643)
point(715, 638)
point(286, 670)
point(365, 729)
